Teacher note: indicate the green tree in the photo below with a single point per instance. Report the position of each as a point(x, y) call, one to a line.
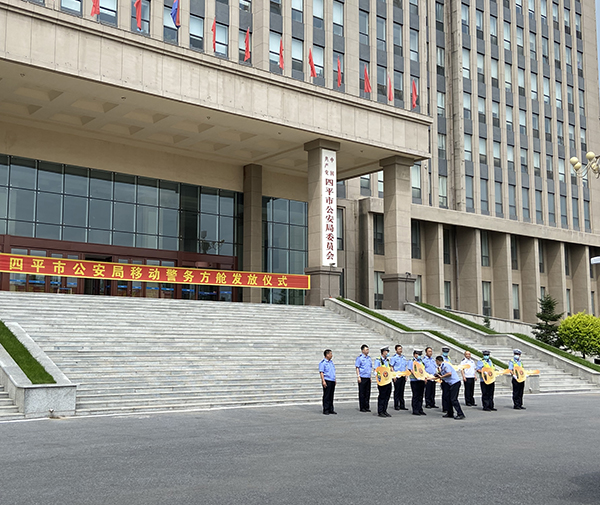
point(581, 333)
point(547, 330)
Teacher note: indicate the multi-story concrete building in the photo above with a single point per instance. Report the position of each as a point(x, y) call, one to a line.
point(129, 139)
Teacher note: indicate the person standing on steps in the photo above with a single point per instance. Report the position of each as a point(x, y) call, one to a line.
point(468, 377)
point(430, 368)
point(444, 385)
point(327, 372)
point(487, 390)
point(399, 363)
point(450, 376)
point(517, 387)
point(417, 386)
point(364, 370)
point(383, 398)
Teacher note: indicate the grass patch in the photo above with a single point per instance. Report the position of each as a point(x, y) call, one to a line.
point(403, 327)
point(35, 372)
point(526, 338)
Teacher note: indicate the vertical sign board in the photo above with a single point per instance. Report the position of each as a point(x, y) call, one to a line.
point(329, 208)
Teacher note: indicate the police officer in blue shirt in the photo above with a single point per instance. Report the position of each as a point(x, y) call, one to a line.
point(383, 398)
point(487, 390)
point(417, 386)
point(444, 385)
point(399, 364)
point(450, 377)
point(327, 372)
point(517, 387)
point(430, 368)
point(364, 370)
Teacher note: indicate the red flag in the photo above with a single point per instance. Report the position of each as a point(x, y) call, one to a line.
point(339, 80)
point(95, 8)
point(247, 41)
point(367, 82)
point(138, 13)
point(313, 71)
point(214, 32)
point(390, 90)
point(281, 53)
point(414, 94)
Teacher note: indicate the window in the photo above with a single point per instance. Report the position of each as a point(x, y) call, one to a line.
point(515, 301)
point(545, 51)
point(446, 245)
point(145, 18)
point(519, 6)
point(246, 5)
point(510, 157)
point(555, 16)
point(439, 16)
point(522, 122)
point(557, 55)
point(525, 198)
point(298, 11)
point(551, 209)
point(506, 36)
point(485, 248)
point(317, 52)
point(578, 25)
point(532, 51)
point(468, 147)
point(378, 241)
point(480, 69)
point(586, 215)
point(381, 84)
point(495, 73)
point(414, 45)
point(418, 288)
point(398, 86)
point(486, 288)
point(512, 201)
point(541, 262)
point(338, 18)
point(441, 104)
point(564, 222)
point(579, 64)
point(560, 133)
point(414, 7)
point(381, 34)
point(469, 198)
point(509, 118)
point(363, 27)
point(520, 41)
point(443, 191)
point(482, 151)
point(242, 47)
point(534, 87)
point(546, 90)
point(318, 14)
point(567, 21)
point(380, 184)
point(494, 30)
point(415, 177)
point(466, 54)
point(416, 239)
point(570, 99)
point(466, 105)
point(498, 198)
point(508, 77)
point(481, 110)
point(479, 24)
point(521, 81)
point(378, 290)
point(441, 146)
point(548, 128)
point(496, 114)
point(484, 196)
point(398, 40)
point(441, 62)
point(221, 40)
point(524, 165)
point(170, 31)
point(275, 7)
point(464, 18)
point(537, 168)
point(581, 103)
point(274, 47)
point(74, 7)
point(561, 170)
point(363, 69)
point(572, 137)
point(337, 55)
point(365, 185)
point(448, 295)
point(196, 32)
point(297, 55)
point(108, 12)
point(340, 229)
point(575, 203)
point(569, 59)
point(535, 125)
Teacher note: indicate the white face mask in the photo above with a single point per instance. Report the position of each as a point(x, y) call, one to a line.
point(517, 357)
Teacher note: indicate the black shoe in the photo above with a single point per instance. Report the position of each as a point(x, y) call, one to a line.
point(382, 415)
point(416, 414)
point(333, 412)
point(516, 408)
point(444, 411)
point(367, 410)
point(402, 408)
point(487, 410)
point(434, 407)
point(422, 413)
point(522, 408)
point(325, 413)
point(387, 415)
point(396, 408)
point(493, 409)
point(473, 405)
point(428, 407)
point(459, 416)
point(363, 410)
point(448, 415)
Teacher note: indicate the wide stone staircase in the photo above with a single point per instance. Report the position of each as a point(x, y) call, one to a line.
point(552, 379)
point(8, 409)
point(130, 355)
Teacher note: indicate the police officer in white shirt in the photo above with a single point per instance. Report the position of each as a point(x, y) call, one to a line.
point(468, 377)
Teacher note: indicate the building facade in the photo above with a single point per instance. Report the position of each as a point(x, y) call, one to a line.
point(126, 138)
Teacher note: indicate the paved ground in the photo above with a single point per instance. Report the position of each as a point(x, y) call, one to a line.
point(548, 454)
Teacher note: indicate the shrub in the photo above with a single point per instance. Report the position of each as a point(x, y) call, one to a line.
point(581, 333)
point(546, 330)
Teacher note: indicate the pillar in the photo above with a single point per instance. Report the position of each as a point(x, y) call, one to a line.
point(556, 274)
point(434, 258)
point(253, 227)
point(468, 252)
point(502, 283)
point(324, 275)
point(530, 278)
point(580, 273)
point(398, 283)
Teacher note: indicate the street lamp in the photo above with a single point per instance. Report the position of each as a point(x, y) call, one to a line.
point(593, 164)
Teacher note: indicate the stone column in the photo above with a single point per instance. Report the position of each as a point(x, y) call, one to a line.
point(582, 285)
point(556, 274)
point(252, 227)
point(530, 278)
point(324, 278)
point(468, 251)
point(434, 257)
point(502, 283)
point(398, 283)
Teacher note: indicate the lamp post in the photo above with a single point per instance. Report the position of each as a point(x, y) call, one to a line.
point(593, 164)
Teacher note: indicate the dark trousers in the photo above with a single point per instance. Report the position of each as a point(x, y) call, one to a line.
point(453, 403)
point(418, 388)
point(487, 395)
point(384, 398)
point(430, 394)
point(399, 386)
point(445, 396)
point(518, 388)
point(470, 391)
point(364, 393)
point(328, 396)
